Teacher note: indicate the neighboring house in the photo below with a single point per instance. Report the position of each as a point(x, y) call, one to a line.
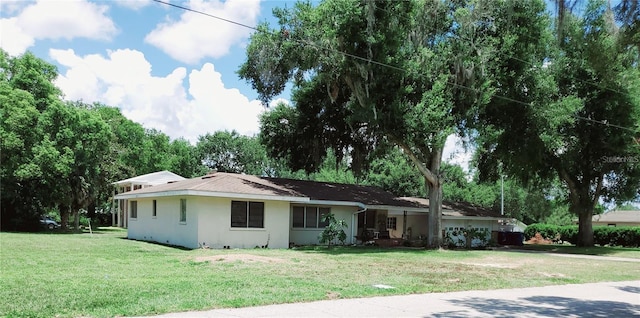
point(243, 211)
point(120, 207)
point(617, 218)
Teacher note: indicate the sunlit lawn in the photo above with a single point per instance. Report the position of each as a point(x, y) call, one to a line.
point(46, 275)
point(599, 251)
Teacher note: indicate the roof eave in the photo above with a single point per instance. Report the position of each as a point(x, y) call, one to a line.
point(232, 195)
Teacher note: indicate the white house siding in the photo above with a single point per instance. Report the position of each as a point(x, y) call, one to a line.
point(215, 231)
point(304, 236)
point(166, 227)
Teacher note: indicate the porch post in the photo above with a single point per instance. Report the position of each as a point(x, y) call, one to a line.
point(113, 208)
point(404, 225)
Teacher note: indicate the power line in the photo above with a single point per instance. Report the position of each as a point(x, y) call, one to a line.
point(368, 60)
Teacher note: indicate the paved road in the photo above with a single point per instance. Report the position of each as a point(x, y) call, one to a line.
point(619, 299)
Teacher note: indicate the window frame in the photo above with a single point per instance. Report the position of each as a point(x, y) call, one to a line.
point(392, 220)
point(133, 209)
point(253, 218)
point(183, 211)
point(318, 211)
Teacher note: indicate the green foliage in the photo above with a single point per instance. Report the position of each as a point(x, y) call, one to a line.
point(578, 109)
point(333, 231)
point(628, 236)
point(432, 61)
point(231, 152)
point(603, 235)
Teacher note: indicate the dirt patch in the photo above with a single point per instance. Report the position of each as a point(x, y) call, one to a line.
point(247, 258)
point(333, 295)
point(493, 265)
point(553, 275)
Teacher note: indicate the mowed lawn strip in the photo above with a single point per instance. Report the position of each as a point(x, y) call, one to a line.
point(106, 275)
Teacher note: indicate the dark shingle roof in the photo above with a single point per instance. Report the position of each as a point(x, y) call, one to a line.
point(222, 183)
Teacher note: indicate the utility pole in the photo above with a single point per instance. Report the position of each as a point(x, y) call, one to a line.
point(501, 194)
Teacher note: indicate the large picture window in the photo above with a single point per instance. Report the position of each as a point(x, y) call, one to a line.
point(309, 217)
point(247, 214)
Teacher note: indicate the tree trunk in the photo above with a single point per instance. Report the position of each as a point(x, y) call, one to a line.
point(64, 217)
point(585, 226)
point(434, 232)
point(582, 202)
point(76, 219)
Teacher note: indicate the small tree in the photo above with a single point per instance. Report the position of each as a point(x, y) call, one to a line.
point(334, 230)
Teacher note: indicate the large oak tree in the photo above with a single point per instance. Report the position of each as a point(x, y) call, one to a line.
point(371, 73)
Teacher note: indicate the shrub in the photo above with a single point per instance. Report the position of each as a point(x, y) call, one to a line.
point(547, 231)
point(569, 233)
point(602, 235)
point(626, 236)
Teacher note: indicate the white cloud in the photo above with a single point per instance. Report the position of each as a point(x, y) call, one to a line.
point(455, 153)
point(196, 36)
point(123, 79)
point(13, 38)
point(55, 20)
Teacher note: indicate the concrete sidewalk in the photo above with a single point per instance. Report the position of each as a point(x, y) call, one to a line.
point(618, 299)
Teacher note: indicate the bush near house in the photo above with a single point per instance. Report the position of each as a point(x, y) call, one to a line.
point(626, 236)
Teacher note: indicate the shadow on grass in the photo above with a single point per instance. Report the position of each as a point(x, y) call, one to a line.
point(541, 306)
point(338, 250)
point(564, 249)
point(177, 247)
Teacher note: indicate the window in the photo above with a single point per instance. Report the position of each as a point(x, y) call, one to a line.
point(309, 217)
point(183, 210)
point(247, 214)
point(391, 223)
point(134, 210)
point(153, 209)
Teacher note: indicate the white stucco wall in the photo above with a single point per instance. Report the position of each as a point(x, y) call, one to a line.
point(304, 236)
point(166, 227)
point(214, 228)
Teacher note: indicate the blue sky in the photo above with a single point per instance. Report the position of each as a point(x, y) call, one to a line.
point(164, 67)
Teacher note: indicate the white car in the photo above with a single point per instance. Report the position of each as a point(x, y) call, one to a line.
point(49, 223)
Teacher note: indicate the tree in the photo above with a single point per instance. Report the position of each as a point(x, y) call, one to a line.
point(226, 151)
point(366, 74)
point(577, 117)
point(75, 142)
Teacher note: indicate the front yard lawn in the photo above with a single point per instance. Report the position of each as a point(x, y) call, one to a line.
point(105, 275)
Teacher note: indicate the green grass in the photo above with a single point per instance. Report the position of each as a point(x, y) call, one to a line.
point(597, 250)
point(104, 275)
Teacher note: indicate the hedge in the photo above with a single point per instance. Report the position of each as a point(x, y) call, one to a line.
point(626, 236)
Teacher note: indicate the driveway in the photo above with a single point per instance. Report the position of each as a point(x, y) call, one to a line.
point(617, 299)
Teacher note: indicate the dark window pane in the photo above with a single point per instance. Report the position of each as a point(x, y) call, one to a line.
point(134, 209)
point(238, 214)
point(256, 214)
point(298, 216)
point(312, 217)
point(323, 213)
point(183, 210)
point(155, 205)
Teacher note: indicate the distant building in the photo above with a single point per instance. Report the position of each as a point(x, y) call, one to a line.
point(617, 218)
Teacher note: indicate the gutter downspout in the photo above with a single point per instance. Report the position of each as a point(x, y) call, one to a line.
point(363, 208)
